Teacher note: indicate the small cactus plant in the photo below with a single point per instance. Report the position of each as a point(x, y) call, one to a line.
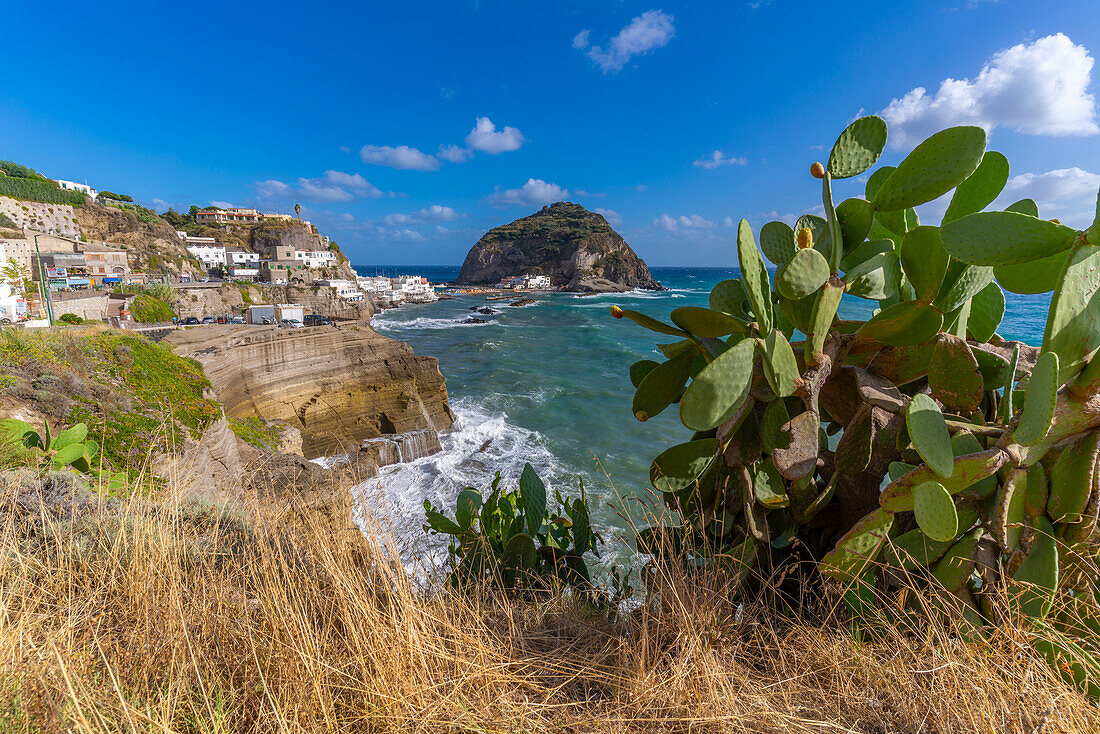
point(964, 460)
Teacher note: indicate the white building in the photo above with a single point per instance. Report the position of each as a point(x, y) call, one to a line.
point(315, 258)
point(415, 288)
point(242, 257)
point(375, 284)
point(538, 282)
point(346, 289)
point(528, 282)
point(74, 186)
point(212, 255)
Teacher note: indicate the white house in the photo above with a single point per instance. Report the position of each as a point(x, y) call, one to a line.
point(415, 288)
point(212, 255)
point(538, 282)
point(242, 257)
point(315, 258)
point(346, 289)
point(74, 186)
point(375, 284)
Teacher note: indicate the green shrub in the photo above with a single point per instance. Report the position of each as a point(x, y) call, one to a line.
point(255, 432)
point(148, 309)
point(32, 189)
point(114, 196)
point(6, 223)
point(16, 170)
point(70, 318)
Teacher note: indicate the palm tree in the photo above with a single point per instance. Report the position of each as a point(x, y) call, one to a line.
point(298, 210)
point(19, 277)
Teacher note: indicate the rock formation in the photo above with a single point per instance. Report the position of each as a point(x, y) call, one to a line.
point(577, 248)
point(340, 386)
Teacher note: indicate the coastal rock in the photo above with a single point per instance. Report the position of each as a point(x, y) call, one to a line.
point(577, 248)
point(234, 298)
point(339, 386)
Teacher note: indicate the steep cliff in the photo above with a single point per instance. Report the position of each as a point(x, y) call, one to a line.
point(577, 248)
point(266, 236)
point(340, 386)
point(151, 242)
point(234, 298)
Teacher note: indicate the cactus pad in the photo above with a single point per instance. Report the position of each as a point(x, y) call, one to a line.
point(780, 366)
point(729, 296)
point(777, 242)
point(858, 147)
point(1073, 323)
point(1039, 401)
point(924, 261)
point(1035, 276)
point(903, 324)
point(640, 369)
point(933, 168)
point(819, 229)
point(877, 277)
point(519, 551)
point(935, 511)
point(719, 389)
point(1071, 480)
point(914, 549)
point(856, 550)
point(755, 276)
point(1010, 516)
point(803, 274)
point(678, 467)
point(1004, 238)
point(980, 188)
point(707, 322)
point(1037, 577)
point(987, 308)
point(928, 432)
point(1035, 496)
point(953, 375)
point(768, 485)
point(954, 569)
point(961, 283)
point(652, 324)
point(1024, 206)
point(864, 252)
point(969, 469)
point(662, 385)
point(825, 306)
point(855, 217)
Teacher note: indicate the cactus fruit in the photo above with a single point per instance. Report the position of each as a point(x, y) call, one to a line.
point(817, 170)
point(980, 188)
point(1042, 394)
point(616, 312)
point(755, 277)
point(935, 511)
point(803, 274)
point(820, 236)
point(933, 168)
point(857, 148)
point(719, 389)
point(804, 238)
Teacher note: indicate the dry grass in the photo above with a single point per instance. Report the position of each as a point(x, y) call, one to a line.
point(199, 618)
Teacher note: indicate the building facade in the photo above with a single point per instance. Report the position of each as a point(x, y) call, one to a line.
point(74, 186)
point(316, 258)
point(232, 215)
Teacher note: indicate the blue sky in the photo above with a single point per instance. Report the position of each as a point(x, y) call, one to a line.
point(407, 129)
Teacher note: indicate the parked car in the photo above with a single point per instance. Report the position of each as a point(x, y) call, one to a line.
point(223, 320)
point(236, 320)
point(291, 324)
point(209, 320)
point(190, 321)
point(315, 320)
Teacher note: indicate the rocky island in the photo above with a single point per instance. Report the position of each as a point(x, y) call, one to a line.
point(577, 248)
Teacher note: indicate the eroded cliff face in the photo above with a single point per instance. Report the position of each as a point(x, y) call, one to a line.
point(340, 386)
point(577, 248)
point(152, 245)
point(235, 298)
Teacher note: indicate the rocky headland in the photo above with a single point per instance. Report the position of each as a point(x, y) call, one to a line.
point(344, 388)
point(577, 248)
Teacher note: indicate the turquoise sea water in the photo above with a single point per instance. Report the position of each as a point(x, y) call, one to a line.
point(548, 384)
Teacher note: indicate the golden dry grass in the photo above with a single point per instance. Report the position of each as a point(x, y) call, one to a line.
point(201, 619)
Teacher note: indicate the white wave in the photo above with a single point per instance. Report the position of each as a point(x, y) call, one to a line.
point(479, 445)
point(424, 322)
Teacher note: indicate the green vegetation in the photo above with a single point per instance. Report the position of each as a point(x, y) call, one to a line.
point(34, 189)
point(964, 483)
point(148, 309)
point(17, 170)
point(43, 452)
point(70, 318)
point(136, 397)
point(511, 540)
point(6, 222)
point(116, 197)
point(256, 432)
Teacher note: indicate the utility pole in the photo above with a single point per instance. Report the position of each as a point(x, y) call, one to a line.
point(45, 282)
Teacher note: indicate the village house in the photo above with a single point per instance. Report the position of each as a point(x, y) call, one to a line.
point(74, 186)
point(346, 289)
point(232, 215)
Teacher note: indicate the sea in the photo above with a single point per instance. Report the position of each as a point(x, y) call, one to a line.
point(547, 384)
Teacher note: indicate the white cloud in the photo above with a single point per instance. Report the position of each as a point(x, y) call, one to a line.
point(535, 191)
point(1039, 88)
point(727, 222)
point(433, 213)
point(718, 159)
point(651, 30)
point(486, 138)
point(333, 186)
point(612, 216)
point(1066, 193)
point(454, 153)
point(161, 204)
point(674, 224)
point(404, 235)
point(345, 149)
point(221, 204)
point(402, 157)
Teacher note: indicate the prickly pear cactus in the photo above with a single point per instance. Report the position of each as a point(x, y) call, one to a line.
point(919, 443)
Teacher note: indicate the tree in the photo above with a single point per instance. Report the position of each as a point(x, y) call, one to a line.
point(18, 277)
point(298, 210)
point(193, 212)
point(173, 217)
